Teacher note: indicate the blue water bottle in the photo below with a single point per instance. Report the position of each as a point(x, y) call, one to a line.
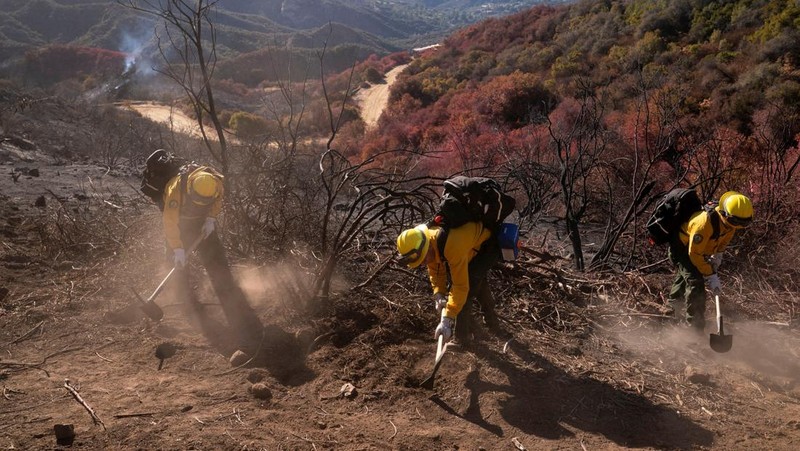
point(509, 238)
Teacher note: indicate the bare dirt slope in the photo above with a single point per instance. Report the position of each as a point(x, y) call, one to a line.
point(541, 390)
point(373, 100)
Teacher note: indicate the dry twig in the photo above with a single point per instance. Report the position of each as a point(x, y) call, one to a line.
point(133, 415)
point(25, 335)
point(86, 406)
point(38, 365)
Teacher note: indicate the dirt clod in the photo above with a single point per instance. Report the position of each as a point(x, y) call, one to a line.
point(257, 375)
point(261, 391)
point(348, 391)
point(696, 376)
point(165, 350)
point(239, 358)
point(65, 433)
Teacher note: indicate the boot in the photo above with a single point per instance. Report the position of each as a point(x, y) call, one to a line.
point(486, 301)
point(462, 336)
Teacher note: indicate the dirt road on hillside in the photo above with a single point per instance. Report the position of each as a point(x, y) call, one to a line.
point(374, 99)
point(165, 114)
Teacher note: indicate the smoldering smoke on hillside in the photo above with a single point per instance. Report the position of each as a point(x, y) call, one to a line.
point(133, 43)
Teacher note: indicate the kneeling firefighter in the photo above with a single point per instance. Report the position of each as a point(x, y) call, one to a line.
point(190, 197)
point(467, 252)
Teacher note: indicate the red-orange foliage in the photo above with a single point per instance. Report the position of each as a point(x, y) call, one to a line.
point(535, 24)
point(59, 62)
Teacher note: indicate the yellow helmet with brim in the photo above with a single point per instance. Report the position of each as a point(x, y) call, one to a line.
point(413, 244)
point(736, 209)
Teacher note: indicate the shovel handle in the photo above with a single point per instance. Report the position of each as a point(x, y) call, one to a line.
point(171, 271)
point(161, 285)
point(439, 348)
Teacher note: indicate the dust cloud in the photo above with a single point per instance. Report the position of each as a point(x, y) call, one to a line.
point(769, 349)
point(769, 352)
point(279, 285)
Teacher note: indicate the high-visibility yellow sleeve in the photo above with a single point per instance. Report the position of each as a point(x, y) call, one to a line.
point(461, 246)
point(698, 235)
point(171, 215)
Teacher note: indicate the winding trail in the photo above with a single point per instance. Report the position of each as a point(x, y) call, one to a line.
point(374, 99)
point(165, 114)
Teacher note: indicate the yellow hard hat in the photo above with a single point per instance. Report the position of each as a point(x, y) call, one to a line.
point(736, 209)
point(205, 189)
point(413, 244)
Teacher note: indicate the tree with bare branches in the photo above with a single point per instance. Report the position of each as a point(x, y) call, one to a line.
point(653, 140)
point(187, 43)
point(578, 141)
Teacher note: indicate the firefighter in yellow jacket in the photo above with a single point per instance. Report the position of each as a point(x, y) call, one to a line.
point(468, 252)
point(190, 197)
point(697, 252)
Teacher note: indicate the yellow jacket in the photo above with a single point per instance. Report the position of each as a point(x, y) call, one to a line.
point(461, 246)
point(178, 209)
point(697, 233)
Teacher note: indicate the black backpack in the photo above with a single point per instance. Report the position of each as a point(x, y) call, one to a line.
point(473, 199)
point(160, 168)
point(674, 209)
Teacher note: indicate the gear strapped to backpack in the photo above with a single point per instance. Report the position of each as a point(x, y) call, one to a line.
point(160, 167)
point(674, 209)
point(473, 199)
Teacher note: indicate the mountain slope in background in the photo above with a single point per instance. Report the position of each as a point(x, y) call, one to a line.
point(243, 25)
point(729, 62)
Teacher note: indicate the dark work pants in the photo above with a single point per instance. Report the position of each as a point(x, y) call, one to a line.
point(240, 315)
point(688, 285)
point(479, 289)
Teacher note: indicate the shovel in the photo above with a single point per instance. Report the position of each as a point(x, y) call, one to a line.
point(719, 341)
point(149, 306)
point(440, 349)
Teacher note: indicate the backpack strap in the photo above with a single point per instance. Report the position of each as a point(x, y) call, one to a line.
point(441, 240)
point(184, 175)
point(713, 216)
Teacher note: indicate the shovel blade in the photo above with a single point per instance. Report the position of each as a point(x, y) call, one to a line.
point(440, 348)
point(428, 382)
point(151, 309)
point(721, 343)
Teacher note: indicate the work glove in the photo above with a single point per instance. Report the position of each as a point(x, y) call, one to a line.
point(439, 301)
point(715, 261)
point(179, 258)
point(445, 329)
point(208, 227)
point(713, 283)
